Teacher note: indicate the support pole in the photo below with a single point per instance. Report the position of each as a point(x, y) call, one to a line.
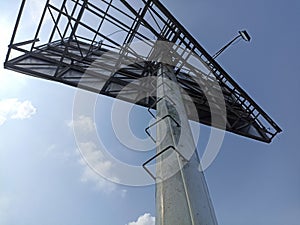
point(182, 196)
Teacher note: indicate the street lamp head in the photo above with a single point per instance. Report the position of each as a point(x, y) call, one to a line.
point(242, 33)
point(245, 35)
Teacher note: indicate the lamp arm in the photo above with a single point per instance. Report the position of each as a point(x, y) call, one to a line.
point(226, 46)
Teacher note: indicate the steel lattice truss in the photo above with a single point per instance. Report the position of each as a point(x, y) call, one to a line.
point(86, 44)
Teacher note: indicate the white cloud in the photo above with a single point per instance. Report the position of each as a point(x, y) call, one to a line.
point(95, 166)
point(23, 110)
point(15, 109)
point(63, 155)
point(82, 124)
point(94, 161)
point(145, 219)
point(89, 175)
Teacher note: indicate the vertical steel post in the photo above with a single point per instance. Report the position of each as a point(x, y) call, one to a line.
point(182, 196)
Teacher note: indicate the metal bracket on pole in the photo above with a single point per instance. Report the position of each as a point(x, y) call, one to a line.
point(158, 121)
point(158, 154)
point(157, 101)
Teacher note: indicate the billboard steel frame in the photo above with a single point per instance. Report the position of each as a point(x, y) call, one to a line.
point(83, 31)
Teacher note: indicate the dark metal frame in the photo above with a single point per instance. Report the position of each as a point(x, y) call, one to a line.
point(84, 31)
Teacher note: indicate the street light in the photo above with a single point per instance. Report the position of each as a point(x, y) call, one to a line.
point(242, 34)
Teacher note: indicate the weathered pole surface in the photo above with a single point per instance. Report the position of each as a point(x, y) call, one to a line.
point(182, 196)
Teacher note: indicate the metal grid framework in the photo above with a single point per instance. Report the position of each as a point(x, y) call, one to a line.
point(81, 43)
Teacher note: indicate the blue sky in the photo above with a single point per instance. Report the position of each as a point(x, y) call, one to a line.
point(43, 179)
